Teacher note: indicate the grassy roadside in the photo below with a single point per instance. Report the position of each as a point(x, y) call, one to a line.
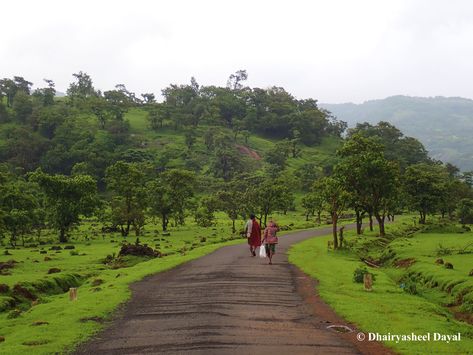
point(388, 308)
point(75, 321)
point(101, 288)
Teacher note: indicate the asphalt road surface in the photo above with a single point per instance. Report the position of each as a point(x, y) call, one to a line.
point(227, 302)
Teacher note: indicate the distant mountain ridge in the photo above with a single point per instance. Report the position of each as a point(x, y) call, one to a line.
point(443, 124)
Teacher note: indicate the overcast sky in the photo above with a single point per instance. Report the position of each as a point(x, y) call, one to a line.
point(332, 50)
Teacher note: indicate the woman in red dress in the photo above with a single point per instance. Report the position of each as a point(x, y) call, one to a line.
point(253, 233)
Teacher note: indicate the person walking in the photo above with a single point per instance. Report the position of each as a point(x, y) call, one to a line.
point(253, 233)
point(270, 240)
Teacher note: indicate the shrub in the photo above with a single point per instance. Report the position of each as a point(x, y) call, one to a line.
point(359, 273)
point(410, 286)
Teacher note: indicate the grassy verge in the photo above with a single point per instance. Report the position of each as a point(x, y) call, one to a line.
point(38, 328)
point(52, 323)
point(389, 308)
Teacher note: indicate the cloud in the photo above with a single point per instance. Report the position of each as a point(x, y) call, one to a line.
point(334, 51)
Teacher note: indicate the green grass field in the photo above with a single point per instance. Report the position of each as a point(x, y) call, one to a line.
point(388, 308)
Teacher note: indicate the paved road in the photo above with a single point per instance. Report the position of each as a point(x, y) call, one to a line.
point(224, 303)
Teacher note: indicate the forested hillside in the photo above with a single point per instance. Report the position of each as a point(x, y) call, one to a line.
point(201, 150)
point(443, 124)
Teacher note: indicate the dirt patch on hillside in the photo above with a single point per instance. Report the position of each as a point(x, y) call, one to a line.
point(405, 263)
point(247, 151)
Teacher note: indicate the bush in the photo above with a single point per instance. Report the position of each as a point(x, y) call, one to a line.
point(442, 251)
point(410, 287)
point(359, 273)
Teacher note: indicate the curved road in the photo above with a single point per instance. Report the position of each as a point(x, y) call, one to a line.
point(224, 303)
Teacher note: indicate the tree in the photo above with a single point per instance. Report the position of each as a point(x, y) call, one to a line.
point(22, 106)
point(425, 185)
point(335, 199)
point(307, 173)
point(205, 212)
point(45, 96)
point(82, 88)
point(190, 138)
point(313, 204)
point(465, 211)
point(371, 180)
point(68, 198)
point(160, 201)
point(234, 80)
point(227, 163)
point(230, 200)
point(127, 182)
point(182, 183)
point(18, 205)
point(266, 196)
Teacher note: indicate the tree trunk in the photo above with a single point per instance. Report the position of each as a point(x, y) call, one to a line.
point(306, 217)
point(233, 226)
point(334, 230)
point(422, 217)
point(318, 217)
point(371, 221)
point(165, 223)
point(62, 235)
point(380, 220)
point(359, 222)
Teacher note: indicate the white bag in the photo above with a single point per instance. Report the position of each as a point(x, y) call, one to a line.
point(262, 251)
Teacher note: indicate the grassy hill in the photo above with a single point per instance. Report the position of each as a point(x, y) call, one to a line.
point(173, 141)
point(443, 124)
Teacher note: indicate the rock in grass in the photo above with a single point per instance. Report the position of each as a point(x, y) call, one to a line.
point(448, 265)
point(471, 273)
point(54, 270)
point(69, 247)
point(97, 282)
point(43, 252)
point(47, 258)
point(439, 261)
point(138, 250)
point(2, 339)
point(55, 247)
point(39, 322)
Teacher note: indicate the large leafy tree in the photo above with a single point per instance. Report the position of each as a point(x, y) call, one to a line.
point(68, 198)
point(336, 199)
point(19, 206)
point(313, 204)
point(405, 150)
point(266, 195)
point(82, 88)
point(371, 179)
point(426, 187)
point(127, 183)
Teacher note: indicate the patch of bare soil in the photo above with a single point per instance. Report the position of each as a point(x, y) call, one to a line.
point(247, 151)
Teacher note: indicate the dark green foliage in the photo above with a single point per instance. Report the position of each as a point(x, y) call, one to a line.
point(359, 273)
point(465, 211)
point(68, 198)
point(448, 265)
